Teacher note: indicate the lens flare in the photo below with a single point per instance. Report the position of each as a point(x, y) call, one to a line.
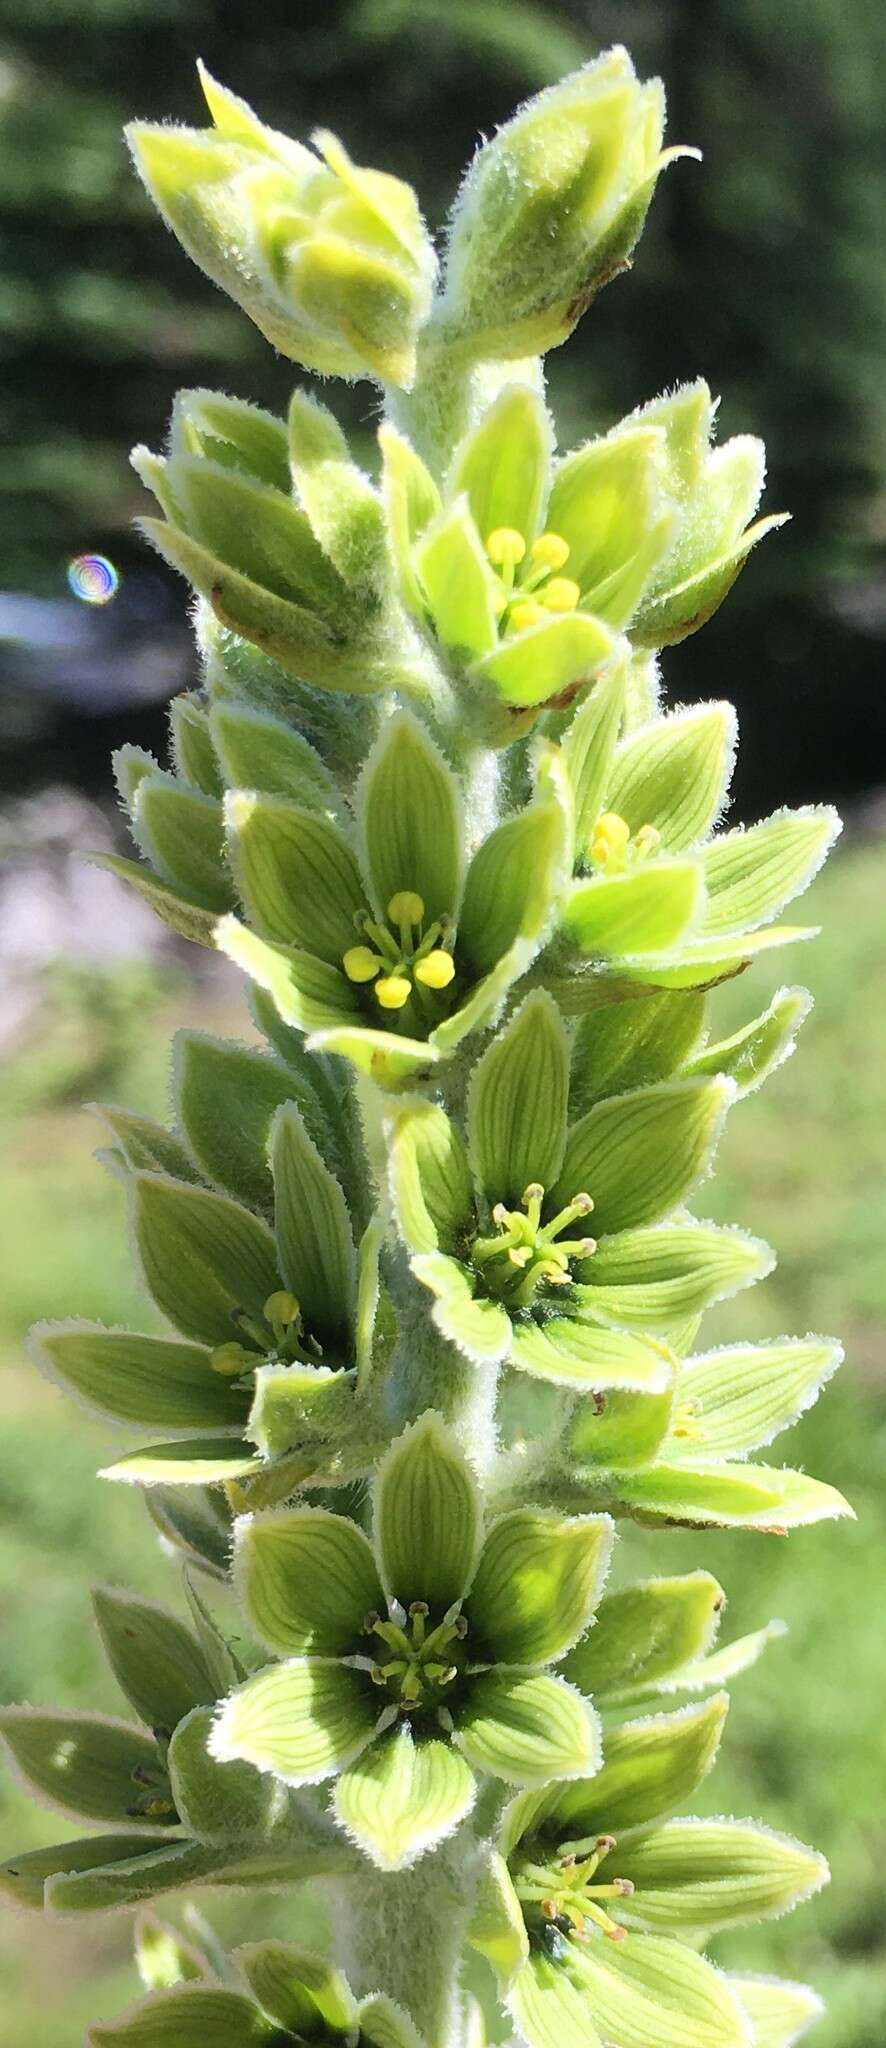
point(93, 579)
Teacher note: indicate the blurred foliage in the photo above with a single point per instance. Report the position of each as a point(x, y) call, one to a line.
point(764, 270)
point(804, 1164)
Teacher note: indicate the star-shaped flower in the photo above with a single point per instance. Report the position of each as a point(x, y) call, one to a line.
point(418, 1658)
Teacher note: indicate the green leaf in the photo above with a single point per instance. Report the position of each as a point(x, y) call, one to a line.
point(407, 802)
point(750, 875)
point(589, 743)
point(654, 1279)
point(621, 1046)
point(657, 1994)
point(527, 1728)
point(639, 1154)
point(181, 833)
point(460, 588)
point(574, 1353)
point(203, 1257)
point(150, 1380)
point(193, 1461)
point(750, 1055)
point(549, 2010)
point(779, 2012)
point(412, 502)
point(264, 753)
point(517, 1102)
point(296, 873)
point(187, 2017)
point(308, 1579)
point(296, 1987)
point(402, 1797)
point(674, 774)
point(647, 910)
point(154, 1658)
point(693, 1877)
point(537, 1584)
point(502, 464)
point(513, 880)
point(225, 1097)
point(192, 748)
point(537, 665)
point(645, 1634)
point(22, 1879)
point(174, 907)
point(345, 512)
point(426, 1517)
point(82, 1764)
point(649, 1767)
point(733, 1496)
point(481, 1329)
point(314, 1241)
point(302, 1721)
point(497, 1928)
point(741, 1395)
point(430, 1178)
point(622, 1432)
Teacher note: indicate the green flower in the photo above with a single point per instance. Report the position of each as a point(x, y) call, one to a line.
point(246, 1246)
point(551, 209)
point(594, 1902)
point(281, 1996)
point(376, 941)
point(331, 261)
point(417, 1659)
point(660, 900)
point(498, 1229)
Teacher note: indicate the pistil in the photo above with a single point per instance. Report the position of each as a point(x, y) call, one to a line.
point(404, 960)
point(525, 1257)
point(562, 1897)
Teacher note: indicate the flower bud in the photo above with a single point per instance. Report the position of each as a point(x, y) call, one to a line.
point(553, 206)
point(331, 261)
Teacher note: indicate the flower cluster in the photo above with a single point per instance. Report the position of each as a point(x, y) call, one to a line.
point(429, 1285)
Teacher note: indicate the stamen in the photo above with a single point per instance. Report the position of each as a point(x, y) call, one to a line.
point(360, 964)
point(406, 907)
point(526, 614)
point(505, 547)
point(550, 551)
point(561, 594)
point(229, 1360)
point(436, 970)
point(281, 1309)
point(392, 991)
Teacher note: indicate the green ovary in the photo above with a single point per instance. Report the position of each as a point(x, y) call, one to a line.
point(560, 1898)
point(418, 1662)
point(525, 1259)
point(403, 961)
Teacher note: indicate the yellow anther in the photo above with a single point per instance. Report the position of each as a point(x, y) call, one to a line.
point(505, 547)
point(561, 594)
point(436, 969)
point(230, 1359)
point(281, 1307)
point(393, 990)
point(360, 963)
point(525, 614)
point(406, 907)
point(611, 836)
point(647, 840)
point(550, 551)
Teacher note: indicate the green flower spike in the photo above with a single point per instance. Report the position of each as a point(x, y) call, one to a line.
point(417, 1660)
point(498, 1230)
point(551, 209)
point(661, 901)
point(331, 261)
point(271, 1323)
point(273, 1993)
point(594, 1903)
point(385, 951)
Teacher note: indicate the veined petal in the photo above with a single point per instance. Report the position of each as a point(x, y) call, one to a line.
point(258, 751)
point(754, 1052)
point(603, 497)
point(649, 1767)
point(732, 1496)
point(538, 664)
point(426, 1517)
point(589, 743)
point(647, 910)
point(187, 1461)
point(742, 1394)
point(402, 1797)
point(517, 1102)
point(537, 1584)
point(574, 1353)
point(185, 2017)
point(692, 1877)
point(644, 1634)
point(391, 1060)
point(296, 1987)
point(383, 2024)
point(308, 993)
point(408, 807)
point(502, 464)
point(549, 2009)
point(653, 1279)
point(516, 873)
point(622, 1433)
point(412, 501)
point(674, 774)
point(779, 2012)
point(150, 1380)
point(430, 1177)
point(460, 588)
point(750, 875)
point(497, 1928)
point(296, 873)
point(622, 1046)
point(639, 1154)
point(527, 1728)
point(307, 1579)
point(157, 1662)
point(302, 1721)
point(314, 1241)
point(481, 1329)
point(203, 1257)
point(646, 1993)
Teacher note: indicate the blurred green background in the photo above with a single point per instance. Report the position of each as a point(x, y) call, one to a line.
point(765, 271)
